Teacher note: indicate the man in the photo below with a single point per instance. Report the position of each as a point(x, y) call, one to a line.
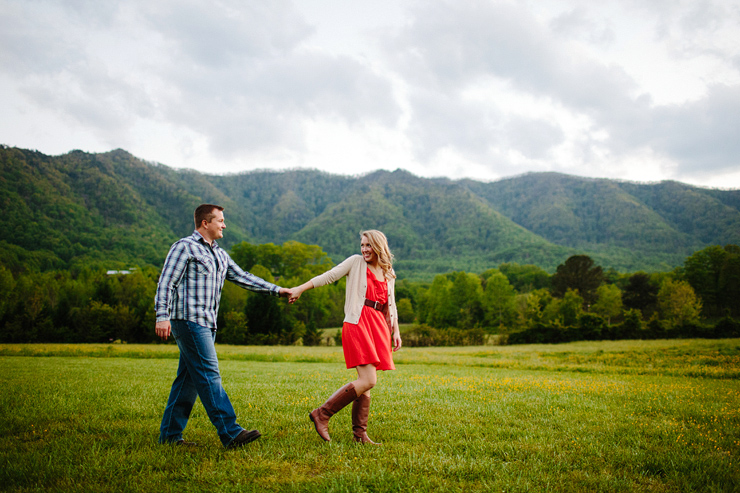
point(186, 304)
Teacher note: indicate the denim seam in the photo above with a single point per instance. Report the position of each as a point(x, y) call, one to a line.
point(210, 389)
point(177, 398)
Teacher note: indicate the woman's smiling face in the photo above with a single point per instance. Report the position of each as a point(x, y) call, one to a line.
point(367, 251)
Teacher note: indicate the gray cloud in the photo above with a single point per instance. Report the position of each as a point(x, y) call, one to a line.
point(262, 105)
point(235, 72)
point(244, 80)
point(533, 138)
point(453, 44)
point(578, 24)
point(475, 130)
point(701, 136)
point(441, 121)
point(32, 42)
point(227, 33)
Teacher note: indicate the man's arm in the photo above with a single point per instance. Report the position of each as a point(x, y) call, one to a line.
point(169, 279)
point(238, 276)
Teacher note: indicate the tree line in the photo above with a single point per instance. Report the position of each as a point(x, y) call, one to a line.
point(519, 303)
point(582, 302)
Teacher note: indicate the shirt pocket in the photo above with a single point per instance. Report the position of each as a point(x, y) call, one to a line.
point(204, 265)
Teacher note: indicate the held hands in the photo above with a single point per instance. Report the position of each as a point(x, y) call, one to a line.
point(295, 293)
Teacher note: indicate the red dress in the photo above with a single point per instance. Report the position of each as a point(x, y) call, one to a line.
point(369, 341)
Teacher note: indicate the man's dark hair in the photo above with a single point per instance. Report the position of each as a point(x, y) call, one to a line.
point(204, 212)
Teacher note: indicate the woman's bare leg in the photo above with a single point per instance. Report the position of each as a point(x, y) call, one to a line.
point(367, 377)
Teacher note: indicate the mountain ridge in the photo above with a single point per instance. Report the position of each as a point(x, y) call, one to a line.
point(115, 207)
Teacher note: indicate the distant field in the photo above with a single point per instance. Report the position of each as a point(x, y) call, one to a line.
point(596, 416)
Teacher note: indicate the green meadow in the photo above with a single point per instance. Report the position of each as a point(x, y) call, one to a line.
point(591, 416)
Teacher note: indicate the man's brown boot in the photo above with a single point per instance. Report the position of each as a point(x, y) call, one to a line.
point(320, 416)
point(360, 413)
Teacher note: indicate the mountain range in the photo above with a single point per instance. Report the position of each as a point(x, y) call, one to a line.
point(113, 208)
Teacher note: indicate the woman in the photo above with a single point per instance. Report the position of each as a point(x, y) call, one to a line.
point(370, 322)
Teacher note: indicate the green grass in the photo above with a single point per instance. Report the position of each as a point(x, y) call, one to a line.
point(599, 416)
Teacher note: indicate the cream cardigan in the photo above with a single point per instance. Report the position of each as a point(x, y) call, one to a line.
point(355, 268)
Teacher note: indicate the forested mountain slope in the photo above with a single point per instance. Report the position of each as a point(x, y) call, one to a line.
point(633, 226)
point(434, 225)
point(59, 211)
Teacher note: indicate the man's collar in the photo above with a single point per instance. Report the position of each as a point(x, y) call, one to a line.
point(200, 238)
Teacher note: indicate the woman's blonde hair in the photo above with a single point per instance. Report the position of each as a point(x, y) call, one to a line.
point(379, 244)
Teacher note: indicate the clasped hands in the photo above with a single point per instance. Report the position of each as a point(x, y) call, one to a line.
point(292, 294)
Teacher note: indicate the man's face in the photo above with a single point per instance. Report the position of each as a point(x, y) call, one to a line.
point(214, 229)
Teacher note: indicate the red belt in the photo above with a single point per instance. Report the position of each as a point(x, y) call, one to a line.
point(376, 304)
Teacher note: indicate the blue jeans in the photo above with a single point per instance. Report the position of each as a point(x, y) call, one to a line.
point(197, 376)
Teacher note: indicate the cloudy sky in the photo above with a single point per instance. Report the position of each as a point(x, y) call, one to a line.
point(632, 89)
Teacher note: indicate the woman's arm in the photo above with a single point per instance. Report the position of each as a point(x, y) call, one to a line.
point(392, 315)
point(327, 277)
point(396, 336)
point(337, 272)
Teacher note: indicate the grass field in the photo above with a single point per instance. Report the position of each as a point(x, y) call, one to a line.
point(597, 416)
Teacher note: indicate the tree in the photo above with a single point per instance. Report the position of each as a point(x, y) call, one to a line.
point(292, 259)
point(631, 327)
point(499, 301)
point(95, 322)
point(536, 303)
point(245, 255)
point(580, 274)
point(235, 329)
point(570, 308)
point(7, 287)
point(678, 303)
point(312, 335)
point(135, 291)
point(591, 327)
point(266, 320)
point(711, 272)
point(525, 278)
point(728, 297)
point(440, 310)
point(405, 311)
point(268, 255)
point(266, 317)
point(466, 294)
point(702, 271)
point(608, 303)
point(559, 320)
point(410, 290)
point(641, 293)
point(304, 261)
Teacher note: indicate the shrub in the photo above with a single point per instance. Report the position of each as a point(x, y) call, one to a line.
point(312, 335)
point(423, 336)
point(591, 327)
point(727, 328)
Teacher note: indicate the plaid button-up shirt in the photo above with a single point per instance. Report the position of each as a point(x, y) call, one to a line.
point(192, 278)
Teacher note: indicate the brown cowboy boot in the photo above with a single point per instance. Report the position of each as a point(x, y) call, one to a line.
point(360, 413)
point(320, 416)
